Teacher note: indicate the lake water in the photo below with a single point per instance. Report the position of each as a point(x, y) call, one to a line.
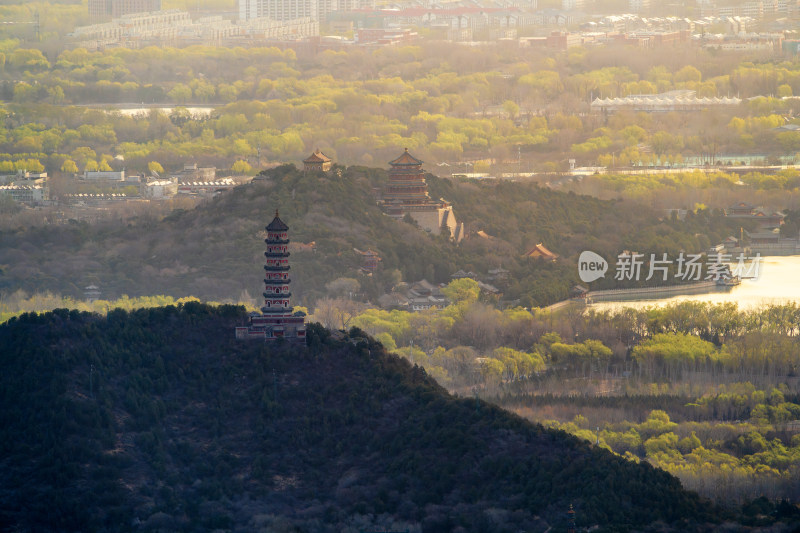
point(778, 282)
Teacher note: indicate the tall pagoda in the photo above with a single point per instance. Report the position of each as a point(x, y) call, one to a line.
point(407, 194)
point(276, 319)
point(407, 189)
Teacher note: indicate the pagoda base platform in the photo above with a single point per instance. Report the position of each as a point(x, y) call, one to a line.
point(433, 218)
point(267, 327)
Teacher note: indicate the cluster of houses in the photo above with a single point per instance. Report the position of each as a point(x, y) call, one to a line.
point(423, 295)
point(24, 187)
point(765, 237)
point(174, 27)
point(191, 180)
point(98, 186)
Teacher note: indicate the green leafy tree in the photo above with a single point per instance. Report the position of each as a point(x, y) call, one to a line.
point(180, 93)
point(69, 166)
point(241, 167)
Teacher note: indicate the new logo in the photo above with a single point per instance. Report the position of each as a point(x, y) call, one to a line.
point(591, 266)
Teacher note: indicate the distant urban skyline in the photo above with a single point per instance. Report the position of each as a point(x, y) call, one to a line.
point(280, 9)
point(117, 8)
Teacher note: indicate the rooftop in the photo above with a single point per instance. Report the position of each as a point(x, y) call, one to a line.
point(277, 224)
point(405, 159)
point(317, 157)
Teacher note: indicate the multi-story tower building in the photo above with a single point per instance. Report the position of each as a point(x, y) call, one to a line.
point(276, 319)
point(116, 8)
point(407, 188)
point(407, 194)
point(276, 281)
point(278, 9)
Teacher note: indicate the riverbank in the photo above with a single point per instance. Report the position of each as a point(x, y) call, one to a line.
point(639, 293)
point(777, 283)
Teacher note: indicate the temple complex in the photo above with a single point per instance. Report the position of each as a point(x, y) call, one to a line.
point(407, 194)
point(276, 319)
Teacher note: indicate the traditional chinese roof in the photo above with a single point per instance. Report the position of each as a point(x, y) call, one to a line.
point(317, 157)
point(369, 252)
point(405, 159)
point(540, 251)
point(277, 224)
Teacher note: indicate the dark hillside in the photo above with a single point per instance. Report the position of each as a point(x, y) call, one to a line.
point(215, 251)
point(159, 420)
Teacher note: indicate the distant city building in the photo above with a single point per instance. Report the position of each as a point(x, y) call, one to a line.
point(325, 8)
point(117, 8)
point(24, 177)
point(159, 189)
point(191, 172)
point(278, 10)
point(562, 40)
point(276, 320)
point(678, 100)
point(174, 27)
point(150, 26)
point(93, 199)
point(407, 194)
point(108, 175)
point(26, 194)
point(384, 36)
point(206, 187)
point(268, 29)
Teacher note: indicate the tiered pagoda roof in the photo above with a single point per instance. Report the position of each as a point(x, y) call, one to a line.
point(406, 159)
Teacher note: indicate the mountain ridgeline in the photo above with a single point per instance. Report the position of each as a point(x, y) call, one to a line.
point(158, 420)
point(215, 251)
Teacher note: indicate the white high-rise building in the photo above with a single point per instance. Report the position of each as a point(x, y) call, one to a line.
point(278, 9)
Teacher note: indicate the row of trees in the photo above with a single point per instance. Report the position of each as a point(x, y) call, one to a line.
point(730, 463)
point(470, 342)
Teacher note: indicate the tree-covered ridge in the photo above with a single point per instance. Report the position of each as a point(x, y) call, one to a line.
point(215, 251)
point(158, 419)
point(20, 302)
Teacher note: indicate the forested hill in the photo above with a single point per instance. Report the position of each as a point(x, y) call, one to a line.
point(215, 251)
point(159, 420)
